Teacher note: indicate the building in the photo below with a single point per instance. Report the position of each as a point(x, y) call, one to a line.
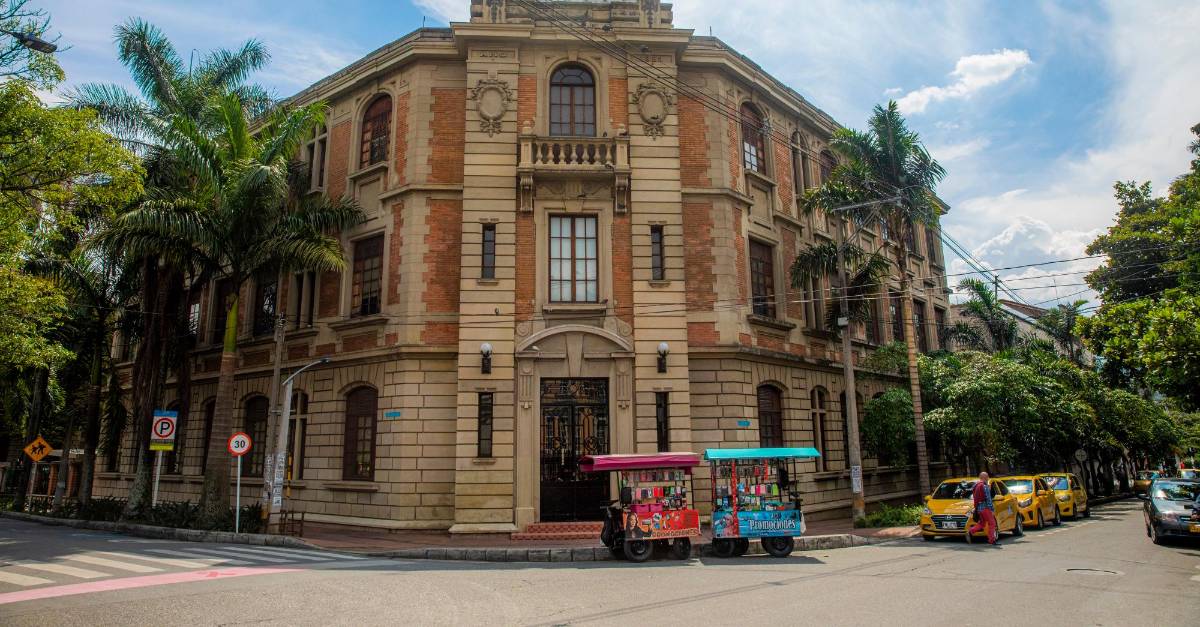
point(570, 249)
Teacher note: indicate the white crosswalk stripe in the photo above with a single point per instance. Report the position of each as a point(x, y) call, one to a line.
point(166, 561)
point(262, 558)
point(62, 569)
point(107, 563)
point(302, 553)
point(200, 555)
point(18, 579)
point(290, 555)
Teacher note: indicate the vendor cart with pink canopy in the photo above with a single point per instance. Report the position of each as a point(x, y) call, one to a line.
point(654, 506)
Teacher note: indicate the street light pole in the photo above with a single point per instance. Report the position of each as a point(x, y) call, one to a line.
point(281, 441)
point(858, 505)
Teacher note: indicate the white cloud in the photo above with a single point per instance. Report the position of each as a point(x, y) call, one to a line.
point(448, 10)
point(954, 152)
point(972, 73)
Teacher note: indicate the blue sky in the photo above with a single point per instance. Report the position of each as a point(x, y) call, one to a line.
point(1034, 108)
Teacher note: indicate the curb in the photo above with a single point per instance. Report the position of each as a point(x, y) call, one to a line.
point(166, 533)
point(602, 554)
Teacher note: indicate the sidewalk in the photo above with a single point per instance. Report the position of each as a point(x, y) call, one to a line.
point(821, 535)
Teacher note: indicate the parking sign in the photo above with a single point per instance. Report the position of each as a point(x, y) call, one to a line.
point(162, 430)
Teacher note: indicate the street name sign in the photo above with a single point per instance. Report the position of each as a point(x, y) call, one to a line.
point(162, 431)
point(38, 449)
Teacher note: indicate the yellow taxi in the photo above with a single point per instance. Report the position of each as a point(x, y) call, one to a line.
point(1035, 501)
point(949, 511)
point(1072, 498)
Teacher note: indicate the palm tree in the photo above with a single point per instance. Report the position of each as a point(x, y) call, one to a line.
point(865, 272)
point(1059, 323)
point(168, 91)
point(988, 327)
point(241, 220)
point(888, 161)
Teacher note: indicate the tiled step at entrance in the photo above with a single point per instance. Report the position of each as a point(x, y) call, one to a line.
point(560, 531)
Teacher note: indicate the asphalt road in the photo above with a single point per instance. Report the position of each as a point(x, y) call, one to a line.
point(1102, 571)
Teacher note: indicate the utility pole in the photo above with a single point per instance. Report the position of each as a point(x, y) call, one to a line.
point(273, 425)
point(858, 507)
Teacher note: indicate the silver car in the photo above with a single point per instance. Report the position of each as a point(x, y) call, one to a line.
point(1170, 509)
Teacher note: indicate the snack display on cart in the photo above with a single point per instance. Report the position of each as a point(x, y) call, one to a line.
point(653, 509)
point(755, 496)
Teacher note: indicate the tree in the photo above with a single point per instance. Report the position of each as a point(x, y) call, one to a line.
point(1059, 323)
point(170, 95)
point(887, 426)
point(888, 161)
point(988, 326)
point(865, 272)
point(241, 220)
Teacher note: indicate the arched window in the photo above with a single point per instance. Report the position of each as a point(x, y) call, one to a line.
point(572, 102)
point(799, 163)
point(210, 410)
point(770, 416)
point(858, 406)
point(820, 413)
point(376, 131)
point(754, 151)
point(358, 452)
point(255, 426)
point(297, 433)
point(827, 165)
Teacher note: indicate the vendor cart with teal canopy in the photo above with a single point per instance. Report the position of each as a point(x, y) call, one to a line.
point(755, 495)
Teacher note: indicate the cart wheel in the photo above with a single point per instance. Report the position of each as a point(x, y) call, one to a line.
point(661, 547)
point(681, 548)
point(778, 547)
point(638, 550)
point(723, 547)
point(741, 546)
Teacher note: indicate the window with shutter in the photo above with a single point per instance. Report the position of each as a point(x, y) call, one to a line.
point(770, 416)
point(358, 462)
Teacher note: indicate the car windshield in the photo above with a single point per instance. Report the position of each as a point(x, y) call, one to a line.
point(1056, 483)
point(1019, 486)
point(954, 490)
point(1145, 474)
point(1176, 490)
point(1190, 473)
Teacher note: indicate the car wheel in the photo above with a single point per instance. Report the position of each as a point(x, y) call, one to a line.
point(779, 546)
point(638, 550)
point(928, 537)
point(723, 547)
point(1041, 522)
point(1018, 529)
point(681, 548)
point(1087, 512)
point(1148, 531)
point(741, 546)
point(1057, 516)
point(1154, 535)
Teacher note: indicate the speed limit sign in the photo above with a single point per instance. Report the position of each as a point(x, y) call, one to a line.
point(239, 444)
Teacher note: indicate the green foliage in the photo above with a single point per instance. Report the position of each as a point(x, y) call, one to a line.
point(864, 273)
point(176, 514)
point(887, 427)
point(888, 516)
point(890, 358)
point(988, 326)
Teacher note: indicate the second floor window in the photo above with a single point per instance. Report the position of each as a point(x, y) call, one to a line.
point(572, 102)
point(933, 244)
point(895, 313)
point(367, 286)
point(574, 260)
point(754, 151)
point(939, 324)
point(799, 164)
point(265, 292)
point(922, 326)
point(657, 257)
point(376, 129)
point(487, 260)
point(762, 279)
point(314, 152)
point(827, 164)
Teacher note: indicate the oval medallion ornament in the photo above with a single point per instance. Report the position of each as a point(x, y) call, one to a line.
point(491, 98)
point(654, 104)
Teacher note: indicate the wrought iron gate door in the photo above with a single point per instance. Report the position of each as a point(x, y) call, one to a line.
point(574, 423)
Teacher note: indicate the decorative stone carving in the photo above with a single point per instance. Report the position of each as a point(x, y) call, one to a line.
point(654, 104)
point(491, 96)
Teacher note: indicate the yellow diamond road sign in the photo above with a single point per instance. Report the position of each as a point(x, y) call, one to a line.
point(38, 449)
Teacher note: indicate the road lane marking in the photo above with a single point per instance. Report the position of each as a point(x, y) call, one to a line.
point(200, 555)
point(176, 563)
point(262, 558)
point(276, 549)
point(107, 563)
point(21, 580)
point(290, 556)
point(124, 583)
point(61, 569)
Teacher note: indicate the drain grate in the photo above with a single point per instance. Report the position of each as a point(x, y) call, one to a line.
point(1093, 571)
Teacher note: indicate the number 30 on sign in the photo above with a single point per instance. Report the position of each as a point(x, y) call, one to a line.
point(239, 444)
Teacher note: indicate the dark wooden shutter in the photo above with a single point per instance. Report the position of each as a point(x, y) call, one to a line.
point(359, 442)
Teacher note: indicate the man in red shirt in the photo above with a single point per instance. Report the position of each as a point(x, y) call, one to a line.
point(985, 514)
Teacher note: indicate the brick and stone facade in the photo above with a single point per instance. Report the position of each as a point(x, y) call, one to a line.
point(470, 151)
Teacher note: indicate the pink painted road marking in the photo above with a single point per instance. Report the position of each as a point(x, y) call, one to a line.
point(109, 585)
